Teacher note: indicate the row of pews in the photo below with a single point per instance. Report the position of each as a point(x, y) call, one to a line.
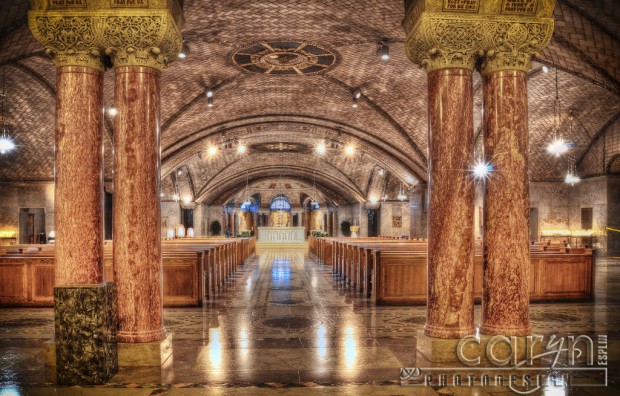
point(393, 271)
point(194, 269)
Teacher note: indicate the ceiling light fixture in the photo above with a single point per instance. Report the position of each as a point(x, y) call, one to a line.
point(545, 69)
point(241, 148)
point(212, 150)
point(6, 142)
point(571, 177)
point(349, 150)
point(184, 51)
point(384, 50)
point(321, 149)
point(557, 146)
point(401, 193)
point(356, 95)
point(112, 111)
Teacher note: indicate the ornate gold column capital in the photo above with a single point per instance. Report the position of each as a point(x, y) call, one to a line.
point(151, 39)
point(136, 32)
point(505, 34)
point(70, 40)
point(444, 41)
point(511, 43)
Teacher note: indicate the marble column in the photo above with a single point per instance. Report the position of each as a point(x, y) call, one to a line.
point(137, 211)
point(78, 206)
point(450, 307)
point(505, 301)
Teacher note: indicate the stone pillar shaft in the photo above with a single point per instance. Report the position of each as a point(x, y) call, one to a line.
point(505, 303)
point(137, 211)
point(450, 307)
point(79, 184)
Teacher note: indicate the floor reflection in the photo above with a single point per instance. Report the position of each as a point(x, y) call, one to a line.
point(287, 320)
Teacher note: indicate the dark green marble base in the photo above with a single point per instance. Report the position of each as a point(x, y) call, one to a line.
point(85, 333)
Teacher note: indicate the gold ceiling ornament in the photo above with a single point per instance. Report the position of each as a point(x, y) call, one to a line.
point(79, 32)
point(506, 34)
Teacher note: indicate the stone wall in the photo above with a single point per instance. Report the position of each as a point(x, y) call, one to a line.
point(394, 219)
point(14, 197)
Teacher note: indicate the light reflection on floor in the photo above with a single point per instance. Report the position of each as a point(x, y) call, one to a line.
point(288, 326)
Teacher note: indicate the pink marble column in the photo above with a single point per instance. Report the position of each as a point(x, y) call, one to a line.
point(505, 301)
point(450, 307)
point(79, 184)
point(137, 212)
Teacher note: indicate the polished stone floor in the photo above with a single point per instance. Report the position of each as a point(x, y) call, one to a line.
point(287, 325)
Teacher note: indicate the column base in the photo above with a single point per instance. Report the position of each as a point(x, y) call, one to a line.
point(85, 334)
point(146, 354)
point(438, 350)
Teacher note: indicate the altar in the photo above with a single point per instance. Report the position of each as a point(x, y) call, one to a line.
point(281, 234)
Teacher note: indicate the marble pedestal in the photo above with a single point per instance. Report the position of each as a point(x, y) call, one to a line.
point(85, 333)
point(438, 350)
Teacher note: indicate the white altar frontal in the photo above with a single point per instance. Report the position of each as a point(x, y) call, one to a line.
point(281, 234)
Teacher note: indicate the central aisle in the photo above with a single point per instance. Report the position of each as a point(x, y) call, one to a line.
point(285, 319)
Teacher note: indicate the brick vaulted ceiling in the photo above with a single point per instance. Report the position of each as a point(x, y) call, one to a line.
point(281, 117)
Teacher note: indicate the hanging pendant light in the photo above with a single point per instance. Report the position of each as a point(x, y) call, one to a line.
point(401, 193)
point(6, 142)
point(557, 146)
point(571, 176)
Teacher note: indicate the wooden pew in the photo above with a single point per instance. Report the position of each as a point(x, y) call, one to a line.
point(193, 269)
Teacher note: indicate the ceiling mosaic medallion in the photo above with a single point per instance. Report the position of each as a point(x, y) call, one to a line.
point(281, 147)
point(284, 58)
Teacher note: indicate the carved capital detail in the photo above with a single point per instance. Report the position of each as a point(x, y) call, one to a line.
point(144, 40)
point(504, 35)
point(511, 44)
point(68, 40)
point(444, 42)
point(137, 36)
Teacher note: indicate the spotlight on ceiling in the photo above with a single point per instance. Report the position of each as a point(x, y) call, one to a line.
point(175, 197)
point(381, 171)
point(111, 111)
point(349, 150)
point(545, 69)
point(180, 172)
point(184, 51)
point(210, 101)
point(241, 148)
point(187, 199)
point(383, 50)
point(482, 170)
point(212, 150)
point(356, 95)
point(321, 149)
